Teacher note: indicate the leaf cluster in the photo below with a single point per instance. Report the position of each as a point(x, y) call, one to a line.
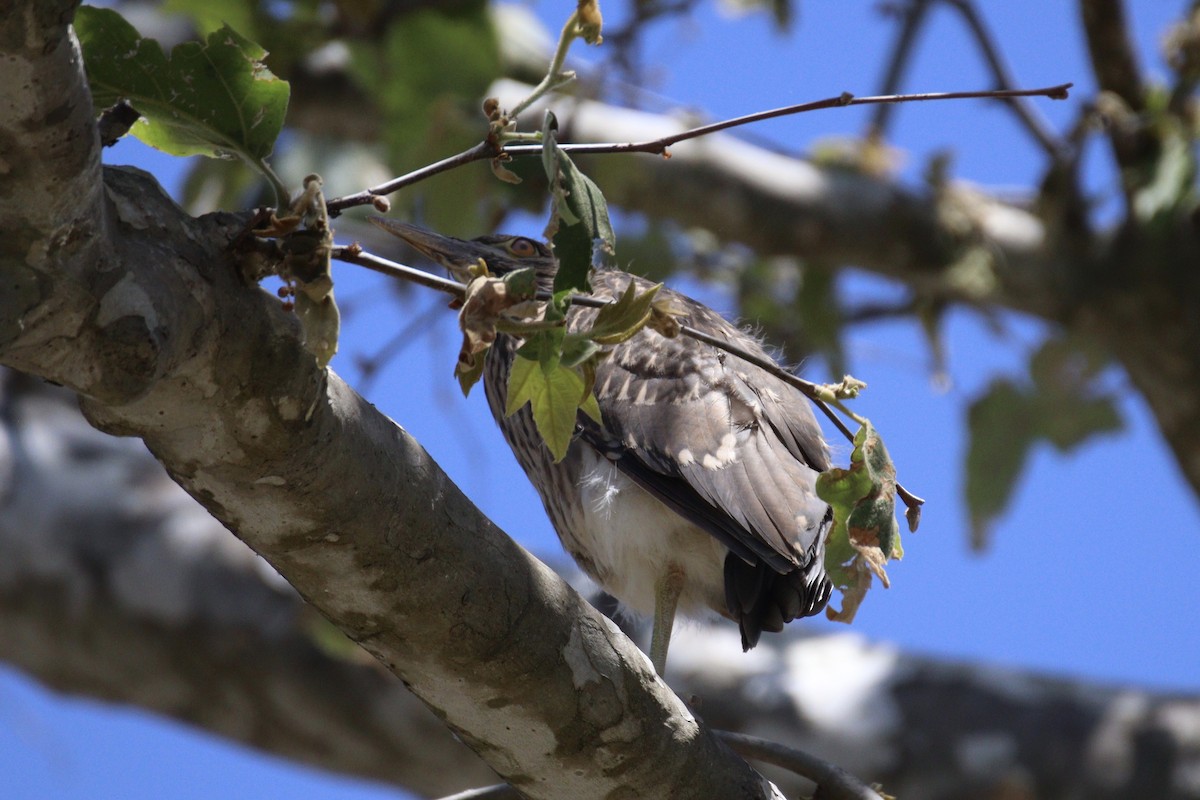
point(214, 98)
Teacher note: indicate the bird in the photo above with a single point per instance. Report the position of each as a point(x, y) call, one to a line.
point(697, 491)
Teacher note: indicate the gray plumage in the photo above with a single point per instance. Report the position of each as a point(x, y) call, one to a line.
point(705, 465)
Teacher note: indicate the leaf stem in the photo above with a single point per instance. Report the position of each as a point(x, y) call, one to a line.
point(555, 77)
point(282, 195)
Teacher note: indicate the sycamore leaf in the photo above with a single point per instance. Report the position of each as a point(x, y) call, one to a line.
point(577, 348)
point(864, 535)
point(554, 393)
point(214, 98)
point(579, 225)
point(1060, 404)
point(546, 347)
point(618, 321)
point(1000, 430)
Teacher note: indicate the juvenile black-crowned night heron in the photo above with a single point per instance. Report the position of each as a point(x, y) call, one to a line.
point(697, 492)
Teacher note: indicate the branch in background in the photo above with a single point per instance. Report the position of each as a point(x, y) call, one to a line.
point(1114, 62)
point(1029, 116)
point(154, 604)
point(833, 782)
point(913, 18)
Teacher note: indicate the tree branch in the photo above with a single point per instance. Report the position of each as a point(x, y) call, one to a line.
point(153, 603)
point(166, 344)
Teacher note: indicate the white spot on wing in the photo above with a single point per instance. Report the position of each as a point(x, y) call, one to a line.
point(726, 453)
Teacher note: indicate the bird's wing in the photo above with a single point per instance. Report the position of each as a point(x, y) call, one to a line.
point(724, 443)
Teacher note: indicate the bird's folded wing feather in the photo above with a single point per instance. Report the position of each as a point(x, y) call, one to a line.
point(727, 445)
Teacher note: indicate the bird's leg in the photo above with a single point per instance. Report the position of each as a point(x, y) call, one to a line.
point(666, 598)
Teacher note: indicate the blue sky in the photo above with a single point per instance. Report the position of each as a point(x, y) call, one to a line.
point(1078, 580)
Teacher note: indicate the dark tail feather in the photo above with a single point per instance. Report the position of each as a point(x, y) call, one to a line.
point(761, 599)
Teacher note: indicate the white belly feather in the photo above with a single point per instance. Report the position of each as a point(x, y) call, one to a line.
point(630, 555)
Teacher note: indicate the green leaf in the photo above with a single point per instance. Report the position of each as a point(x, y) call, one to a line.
point(1166, 183)
point(214, 98)
point(576, 349)
point(1060, 404)
point(1066, 409)
point(579, 225)
point(554, 393)
point(618, 321)
point(1000, 429)
point(865, 534)
point(544, 347)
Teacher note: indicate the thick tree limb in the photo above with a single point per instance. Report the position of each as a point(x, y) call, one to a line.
point(115, 584)
point(129, 302)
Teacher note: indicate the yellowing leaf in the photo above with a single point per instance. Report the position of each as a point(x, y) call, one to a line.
point(619, 321)
point(864, 533)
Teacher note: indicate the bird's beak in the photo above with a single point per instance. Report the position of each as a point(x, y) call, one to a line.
point(455, 255)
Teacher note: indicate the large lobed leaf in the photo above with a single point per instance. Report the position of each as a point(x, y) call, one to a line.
point(214, 98)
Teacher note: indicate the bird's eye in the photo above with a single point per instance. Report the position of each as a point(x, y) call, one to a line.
point(523, 248)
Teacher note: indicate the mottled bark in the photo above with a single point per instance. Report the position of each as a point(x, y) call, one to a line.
point(115, 584)
point(120, 296)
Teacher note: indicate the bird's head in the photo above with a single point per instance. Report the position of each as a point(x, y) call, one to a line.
point(500, 252)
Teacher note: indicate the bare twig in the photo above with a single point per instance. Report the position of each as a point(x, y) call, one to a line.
point(489, 149)
point(914, 17)
point(355, 255)
point(485, 149)
point(369, 366)
point(834, 782)
point(659, 146)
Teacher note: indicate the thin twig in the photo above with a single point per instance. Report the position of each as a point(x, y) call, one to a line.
point(369, 366)
point(834, 782)
point(479, 152)
point(554, 75)
point(355, 255)
point(488, 149)
point(659, 146)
